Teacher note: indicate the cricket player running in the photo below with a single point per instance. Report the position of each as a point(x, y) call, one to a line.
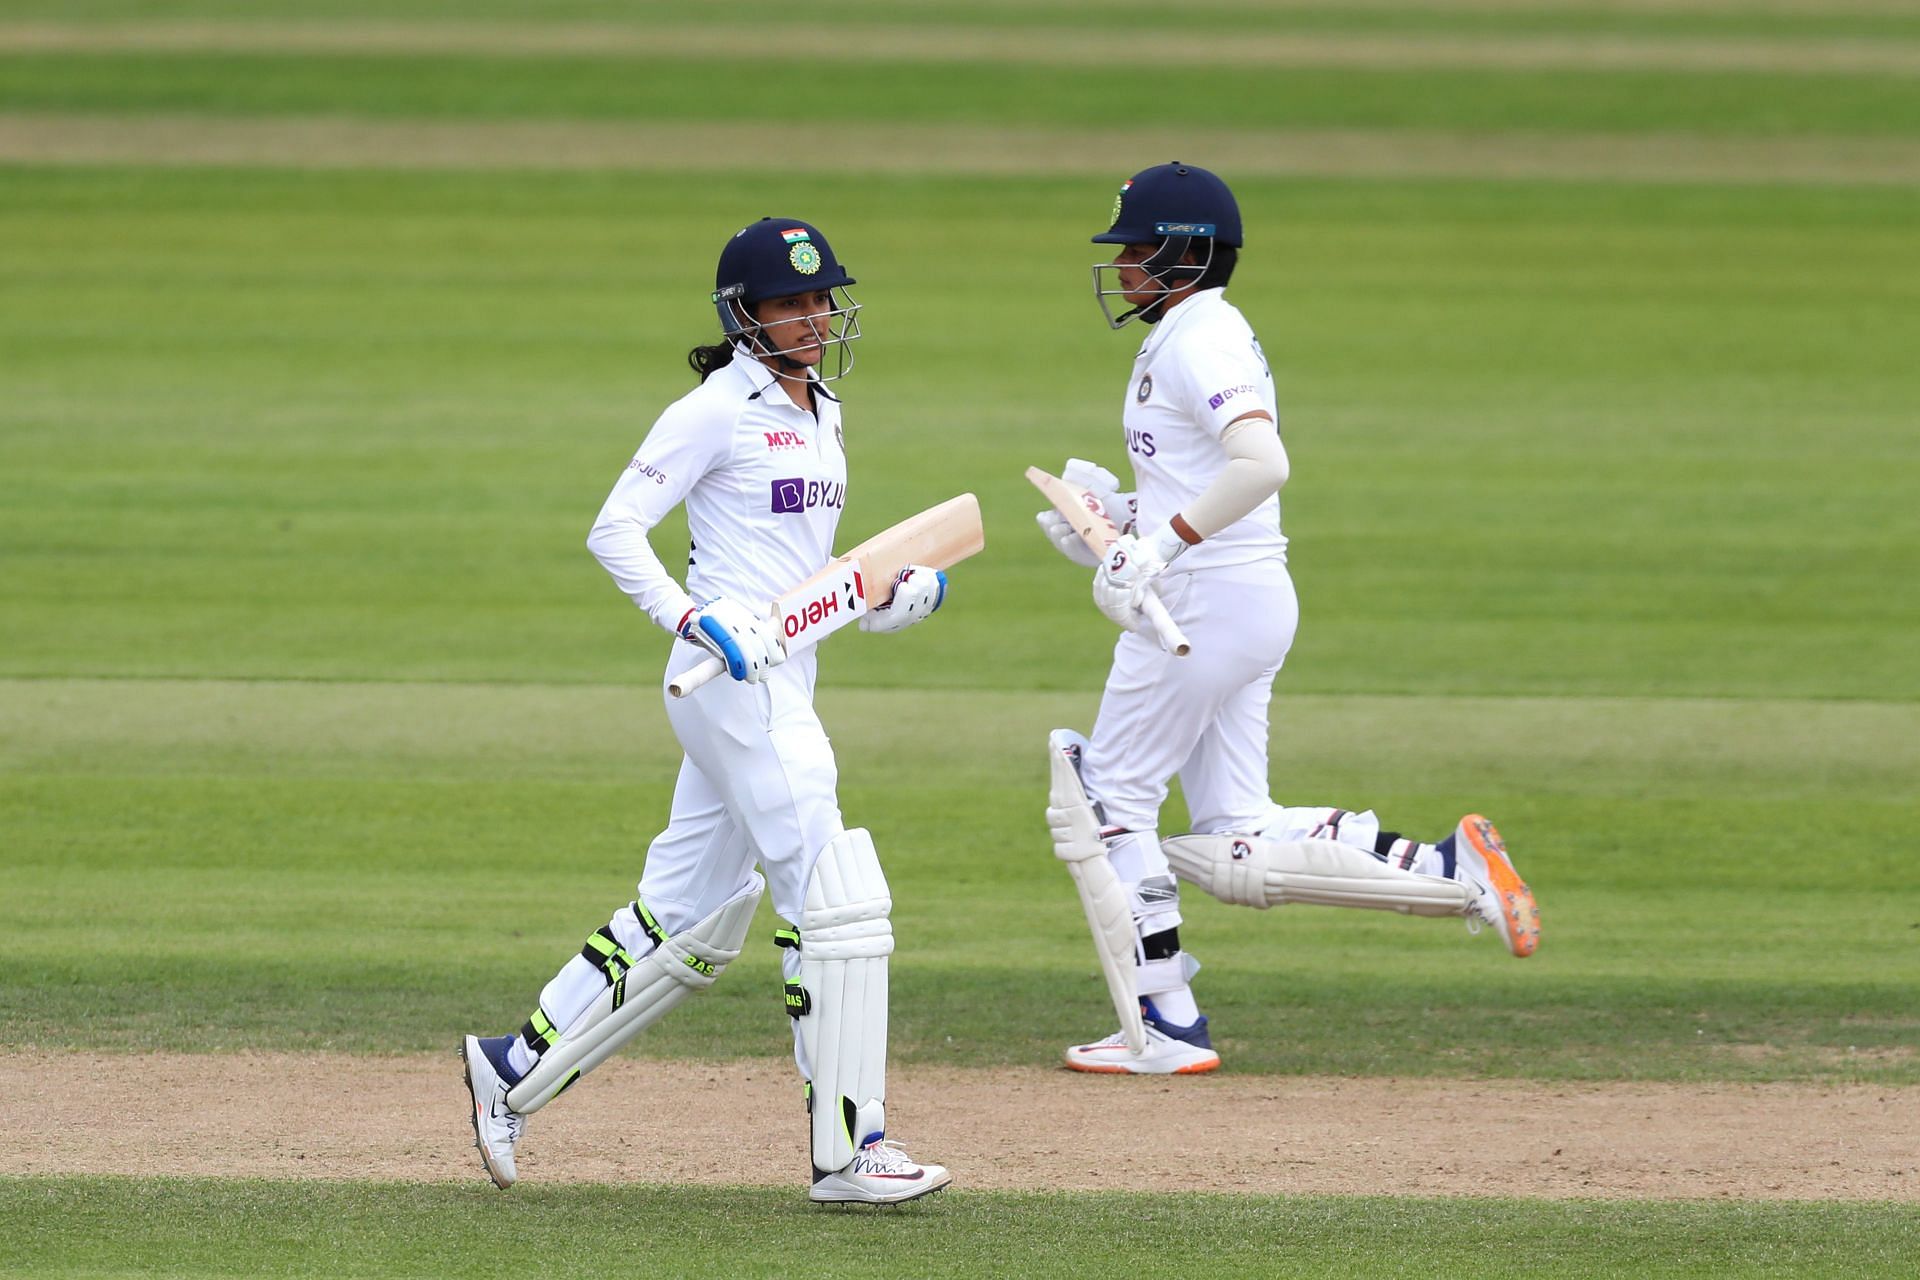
point(756, 453)
point(1202, 434)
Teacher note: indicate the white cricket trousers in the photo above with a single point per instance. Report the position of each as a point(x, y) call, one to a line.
point(758, 784)
point(1203, 717)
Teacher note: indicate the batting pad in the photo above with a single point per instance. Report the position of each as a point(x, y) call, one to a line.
point(1108, 906)
point(684, 964)
point(845, 939)
point(1256, 872)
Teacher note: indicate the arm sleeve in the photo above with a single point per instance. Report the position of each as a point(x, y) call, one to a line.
point(676, 454)
point(1256, 468)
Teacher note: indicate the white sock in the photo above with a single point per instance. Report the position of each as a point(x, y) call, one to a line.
point(1177, 1007)
point(1427, 861)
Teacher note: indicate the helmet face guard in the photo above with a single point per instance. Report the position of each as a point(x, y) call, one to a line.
point(786, 258)
point(1167, 272)
point(836, 327)
point(1179, 209)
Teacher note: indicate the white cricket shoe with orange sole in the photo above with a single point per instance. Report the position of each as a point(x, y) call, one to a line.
point(497, 1128)
point(1171, 1050)
point(1502, 898)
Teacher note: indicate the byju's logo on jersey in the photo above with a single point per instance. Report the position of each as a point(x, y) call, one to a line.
point(1219, 398)
point(795, 495)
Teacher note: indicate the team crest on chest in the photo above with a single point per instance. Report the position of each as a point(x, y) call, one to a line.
point(1145, 389)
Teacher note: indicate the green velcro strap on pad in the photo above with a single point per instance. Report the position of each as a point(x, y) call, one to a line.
point(788, 937)
point(604, 950)
point(539, 1033)
point(648, 923)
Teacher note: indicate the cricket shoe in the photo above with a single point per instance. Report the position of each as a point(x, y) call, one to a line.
point(1171, 1050)
point(880, 1173)
point(1501, 898)
point(497, 1128)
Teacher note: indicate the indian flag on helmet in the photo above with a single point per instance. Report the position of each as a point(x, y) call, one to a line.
point(795, 236)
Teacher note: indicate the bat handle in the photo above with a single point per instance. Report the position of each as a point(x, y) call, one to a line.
point(695, 676)
point(1171, 638)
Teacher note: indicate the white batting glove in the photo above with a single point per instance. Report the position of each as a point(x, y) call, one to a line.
point(1122, 506)
point(917, 592)
point(730, 632)
point(1128, 573)
point(1061, 534)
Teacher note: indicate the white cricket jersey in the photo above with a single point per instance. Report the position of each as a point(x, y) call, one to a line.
point(1198, 370)
point(764, 483)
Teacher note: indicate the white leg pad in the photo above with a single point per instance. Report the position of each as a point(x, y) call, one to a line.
point(1256, 872)
point(845, 939)
point(1107, 903)
point(685, 964)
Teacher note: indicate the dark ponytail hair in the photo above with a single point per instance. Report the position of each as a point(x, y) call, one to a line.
point(707, 359)
point(1220, 268)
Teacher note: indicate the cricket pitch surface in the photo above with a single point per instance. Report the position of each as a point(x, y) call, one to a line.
point(276, 1115)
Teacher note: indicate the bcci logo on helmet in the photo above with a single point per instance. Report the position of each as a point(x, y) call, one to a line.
point(805, 258)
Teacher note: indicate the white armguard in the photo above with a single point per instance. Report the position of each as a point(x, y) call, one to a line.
point(1256, 468)
point(1108, 906)
point(1256, 872)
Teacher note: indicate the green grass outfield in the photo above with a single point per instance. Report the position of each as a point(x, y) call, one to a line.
point(100, 1227)
point(319, 728)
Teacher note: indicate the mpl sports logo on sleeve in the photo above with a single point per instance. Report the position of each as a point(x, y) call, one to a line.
point(794, 495)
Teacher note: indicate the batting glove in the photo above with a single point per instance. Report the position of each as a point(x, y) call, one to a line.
point(1068, 543)
point(729, 631)
point(1128, 572)
point(1122, 505)
point(917, 592)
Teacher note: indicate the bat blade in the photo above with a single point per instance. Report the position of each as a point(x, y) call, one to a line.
point(1088, 515)
point(862, 579)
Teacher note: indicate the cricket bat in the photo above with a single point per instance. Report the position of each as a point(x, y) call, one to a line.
point(1089, 519)
point(861, 579)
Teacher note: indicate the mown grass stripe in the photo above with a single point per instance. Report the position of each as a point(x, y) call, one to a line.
point(130, 1226)
point(950, 150)
point(943, 44)
point(862, 91)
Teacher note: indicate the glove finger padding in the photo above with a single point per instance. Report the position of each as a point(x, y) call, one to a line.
point(1060, 533)
point(918, 590)
point(1122, 505)
point(729, 631)
point(1092, 476)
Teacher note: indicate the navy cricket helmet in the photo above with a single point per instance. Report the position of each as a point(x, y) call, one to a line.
point(1173, 200)
point(1180, 209)
point(778, 258)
